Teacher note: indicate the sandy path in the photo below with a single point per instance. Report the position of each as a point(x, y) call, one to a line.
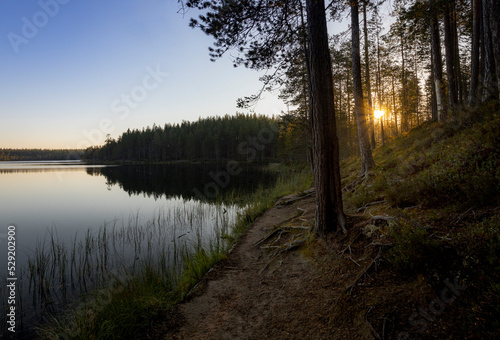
point(244, 299)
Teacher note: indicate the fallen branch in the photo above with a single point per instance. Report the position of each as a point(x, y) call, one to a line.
point(370, 204)
point(380, 244)
point(412, 207)
point(357, 264)
point(374, 332)
point(381, 217)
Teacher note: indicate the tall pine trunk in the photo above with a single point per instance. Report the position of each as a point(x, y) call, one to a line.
point(476, 37)
point(449, 45)
point(489, 86)
point(364, 143)
point(329, 211)
point(437, 63)
point(367, 79)
point(404, 88)
point(495, 38)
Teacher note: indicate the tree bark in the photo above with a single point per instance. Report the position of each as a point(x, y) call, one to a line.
point(404, 104)
point(476, 37)
point(495, 38)
point(394, 107)
point(367, 79)
point(489, 86)
point(456, 54)
point(329, 209)
point(434, 111)
point(449, 45)
point(437, 63)
point(364, 143)
point(379, 73)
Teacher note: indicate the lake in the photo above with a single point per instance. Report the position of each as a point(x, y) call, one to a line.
point(66, 213)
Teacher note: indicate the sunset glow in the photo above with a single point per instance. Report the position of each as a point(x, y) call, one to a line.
point(378, 114)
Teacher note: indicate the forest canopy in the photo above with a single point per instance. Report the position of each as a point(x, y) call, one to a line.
point(249, 137)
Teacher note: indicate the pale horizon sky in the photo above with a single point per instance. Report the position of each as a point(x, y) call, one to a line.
point(73, 71)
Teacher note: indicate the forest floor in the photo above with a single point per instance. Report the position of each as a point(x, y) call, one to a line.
point(279, 282)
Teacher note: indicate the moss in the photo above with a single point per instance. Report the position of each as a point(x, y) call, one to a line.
point(413, 248)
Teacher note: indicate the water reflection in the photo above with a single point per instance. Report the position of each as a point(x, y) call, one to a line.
point(68, 213)
point(44, 166)
point(186, 181)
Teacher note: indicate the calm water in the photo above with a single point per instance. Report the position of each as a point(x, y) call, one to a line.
point(66, 200)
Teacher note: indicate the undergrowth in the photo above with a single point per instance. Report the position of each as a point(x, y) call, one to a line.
point(441, 184)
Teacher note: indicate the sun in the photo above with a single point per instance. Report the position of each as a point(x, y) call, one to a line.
point(378, 114)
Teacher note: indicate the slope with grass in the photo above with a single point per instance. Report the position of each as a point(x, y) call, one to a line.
point(434, 197)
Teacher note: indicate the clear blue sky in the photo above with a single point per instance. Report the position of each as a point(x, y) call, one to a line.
point(72, 71)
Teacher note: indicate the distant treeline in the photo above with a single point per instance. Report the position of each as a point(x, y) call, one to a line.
point(39, 154)
point(240, 137)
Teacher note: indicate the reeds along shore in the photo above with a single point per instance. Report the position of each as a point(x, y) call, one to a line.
point(117, 279)
point(57, 273)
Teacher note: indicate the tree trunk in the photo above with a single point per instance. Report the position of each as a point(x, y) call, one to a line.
point(379, 74)
point(456, 54)
point(404, 104)
point(449, 45)
point(489, 86)
point(476, 37)
point(394, 107)
point(367, 80)
point(380, 88)
point(434, 111)
point(495, 37)
point(437, 63)
point(417, 97)
point(364, 143)
point(329, 210)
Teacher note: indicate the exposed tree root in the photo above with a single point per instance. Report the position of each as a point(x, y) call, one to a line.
point(292, 200)
point(280, 230)
point(360, 275)
point(276, 250)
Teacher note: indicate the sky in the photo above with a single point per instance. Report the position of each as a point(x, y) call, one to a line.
point(74, 71)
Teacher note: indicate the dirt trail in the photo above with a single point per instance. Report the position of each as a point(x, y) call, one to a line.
point(299, 294)
point(249, 298)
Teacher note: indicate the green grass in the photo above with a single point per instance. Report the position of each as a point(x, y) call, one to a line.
point(436, 165)
point(428, 176)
